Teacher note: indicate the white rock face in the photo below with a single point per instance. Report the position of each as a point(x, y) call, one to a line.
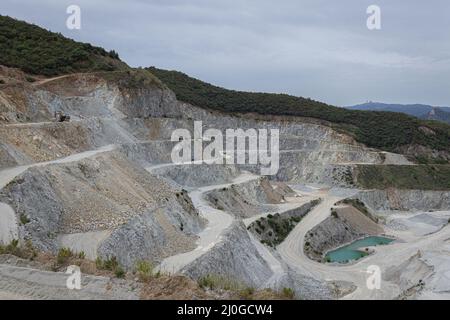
point(231, 258)
point(405, 200)
point(9, 229)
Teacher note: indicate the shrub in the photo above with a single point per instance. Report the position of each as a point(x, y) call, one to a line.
point(64, 254)
point(431, 177)
point(24, 219)
point(144, 270)
point(207, 282)
point(99, 263)
point(214, 282)
point(334, 213)
point(11, 248)
point(38, 51)
point(288, 293)
point(246, 293)
point(27, 251)
point(119, 272)
point(110, 264)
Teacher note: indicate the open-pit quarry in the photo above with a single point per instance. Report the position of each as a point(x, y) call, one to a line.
point(103, 186)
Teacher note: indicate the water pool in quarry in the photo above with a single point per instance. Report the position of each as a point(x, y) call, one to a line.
point(351, 251)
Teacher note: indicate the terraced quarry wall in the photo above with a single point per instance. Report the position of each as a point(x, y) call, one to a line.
point(231, 258)
point(246, 199)
point(405, 200)
point(131, 202)
point(345, 225)
point(146, 217)
point(105, 111)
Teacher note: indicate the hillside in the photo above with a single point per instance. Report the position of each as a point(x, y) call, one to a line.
point(379, 129)
point(439, 114)
point(38, 51)
point(429, 177)
point(421, 111)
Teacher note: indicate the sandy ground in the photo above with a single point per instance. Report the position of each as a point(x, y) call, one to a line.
point(27, 283)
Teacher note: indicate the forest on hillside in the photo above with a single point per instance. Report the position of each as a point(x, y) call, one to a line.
point(379, 129)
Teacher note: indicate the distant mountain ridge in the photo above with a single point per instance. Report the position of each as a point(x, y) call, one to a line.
point(421, 111)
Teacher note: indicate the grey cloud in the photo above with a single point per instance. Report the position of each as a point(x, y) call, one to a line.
point(315, 48)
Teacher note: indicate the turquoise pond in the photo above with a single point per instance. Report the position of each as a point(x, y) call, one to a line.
point(351, 252)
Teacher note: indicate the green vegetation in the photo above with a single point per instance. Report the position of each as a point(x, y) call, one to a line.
point(334, 213)
point(384, 130)
point(119, 272)
point(424, 177)
point(24, 219)
point(246, 293)
point(288, 293)
point(26, 251)
point(360, 206)
point(421, 159)
point(38, 51)
point(110, 264)
point(274, 229)
point(281, 228)
point(64, 254)
point(219, 282)
point(145, 270)
point(240, 290)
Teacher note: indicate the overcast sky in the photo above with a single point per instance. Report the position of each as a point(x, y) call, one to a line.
point(313, 48)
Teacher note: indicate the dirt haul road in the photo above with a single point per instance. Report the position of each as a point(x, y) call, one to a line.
point(218, 222)
point(291, 251)
point(8, 221)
